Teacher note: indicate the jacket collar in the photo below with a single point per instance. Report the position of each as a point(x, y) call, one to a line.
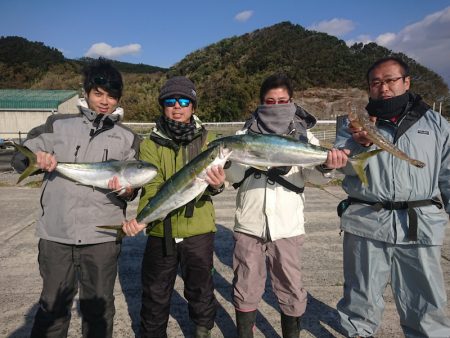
point(417, 110)
point(115, 116)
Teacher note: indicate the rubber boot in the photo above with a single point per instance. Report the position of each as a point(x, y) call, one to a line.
point(245, 321)
point(202, 332)
point(290, 326)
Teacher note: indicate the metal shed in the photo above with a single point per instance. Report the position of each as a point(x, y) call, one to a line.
point(23, 109)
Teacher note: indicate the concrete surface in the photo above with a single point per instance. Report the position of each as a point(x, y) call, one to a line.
point(21, 284)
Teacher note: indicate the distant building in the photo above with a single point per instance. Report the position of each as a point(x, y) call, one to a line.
point(23, 109)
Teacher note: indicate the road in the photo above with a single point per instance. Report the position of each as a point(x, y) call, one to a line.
point(5, 159)
point(21, 284)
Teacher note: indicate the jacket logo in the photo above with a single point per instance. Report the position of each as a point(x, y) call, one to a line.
point(114, 136)
point(425, 132)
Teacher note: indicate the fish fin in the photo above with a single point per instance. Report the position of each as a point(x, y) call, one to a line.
point(358, 162)
point(31, 169)
point(120, 233)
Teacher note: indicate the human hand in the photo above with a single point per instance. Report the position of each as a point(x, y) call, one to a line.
point(132, 228)
point(114, 185)
point(46, 161)
point(337, 158)
point(215, 177)
point(360, 135)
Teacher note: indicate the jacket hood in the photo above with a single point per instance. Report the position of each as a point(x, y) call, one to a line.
point(305, 116)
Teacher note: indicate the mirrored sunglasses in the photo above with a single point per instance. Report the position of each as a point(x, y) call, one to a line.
point(181, 101)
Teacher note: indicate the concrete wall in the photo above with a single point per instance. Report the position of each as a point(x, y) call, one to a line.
point(69, 106)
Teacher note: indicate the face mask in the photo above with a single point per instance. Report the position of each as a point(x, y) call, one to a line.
point(273, 118)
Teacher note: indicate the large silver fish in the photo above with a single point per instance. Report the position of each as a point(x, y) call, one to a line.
point(184, 186)
point(98, 174)
point(269, 150)
point(360, 119)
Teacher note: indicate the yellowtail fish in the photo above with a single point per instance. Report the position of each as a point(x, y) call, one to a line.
point(98, 174)
point(360, 119)
point(270, 150)
point(184, 186)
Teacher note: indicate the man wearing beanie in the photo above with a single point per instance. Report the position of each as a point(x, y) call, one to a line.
point(186, 237)
point(395, 226)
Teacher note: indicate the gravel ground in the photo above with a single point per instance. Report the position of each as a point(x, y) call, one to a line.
point(21, 284)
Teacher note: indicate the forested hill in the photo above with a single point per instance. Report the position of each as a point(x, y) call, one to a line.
point(25, 64)
point(227, 73)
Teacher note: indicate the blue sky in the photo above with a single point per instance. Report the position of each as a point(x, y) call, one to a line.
point(161, 33)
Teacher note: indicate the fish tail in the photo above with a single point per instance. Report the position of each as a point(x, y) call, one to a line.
point(31, 169)
point(120, 233)
point(358, 162)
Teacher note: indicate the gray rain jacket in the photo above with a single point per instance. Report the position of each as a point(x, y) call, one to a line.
point(424, 135)
point(70, 212)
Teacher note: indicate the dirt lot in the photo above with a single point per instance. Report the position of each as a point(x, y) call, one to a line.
point(21, 284)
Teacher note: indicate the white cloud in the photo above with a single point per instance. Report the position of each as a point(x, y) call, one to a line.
point(107, 51)
point(364, 38)
point(386, 39)
point(336, 26)
point(427, 41)
point(243, 16)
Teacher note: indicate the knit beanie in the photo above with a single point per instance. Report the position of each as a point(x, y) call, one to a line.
point(178, 86)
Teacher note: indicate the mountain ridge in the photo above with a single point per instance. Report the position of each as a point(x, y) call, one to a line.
point(228, 73)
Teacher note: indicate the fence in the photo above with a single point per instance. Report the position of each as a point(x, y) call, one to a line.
point(324, 130)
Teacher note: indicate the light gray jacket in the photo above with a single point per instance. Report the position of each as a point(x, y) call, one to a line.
point(266, 209)
point(71, 212)
point(424, 135)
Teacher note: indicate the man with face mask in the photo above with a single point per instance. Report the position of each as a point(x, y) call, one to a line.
point(73, 255)
point(394, 227)
point(269, 222)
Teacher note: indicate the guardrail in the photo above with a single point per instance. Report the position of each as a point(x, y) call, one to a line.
point(324, 130)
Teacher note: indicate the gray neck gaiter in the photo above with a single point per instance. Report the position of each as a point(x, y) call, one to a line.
point(273, 118)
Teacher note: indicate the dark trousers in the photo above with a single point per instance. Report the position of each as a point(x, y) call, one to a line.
point(195, 257)
point(65, 268)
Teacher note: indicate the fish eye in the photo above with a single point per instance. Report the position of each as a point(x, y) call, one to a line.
point(139, 166)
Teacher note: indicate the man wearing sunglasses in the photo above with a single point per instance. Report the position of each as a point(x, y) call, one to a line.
point(269, 222)
point(185, 237)
point(394, 228)
point(73, 255)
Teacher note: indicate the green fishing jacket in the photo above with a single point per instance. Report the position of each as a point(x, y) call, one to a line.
point(170, 157)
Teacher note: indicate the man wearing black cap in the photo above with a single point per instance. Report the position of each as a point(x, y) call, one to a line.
point(186, 236)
